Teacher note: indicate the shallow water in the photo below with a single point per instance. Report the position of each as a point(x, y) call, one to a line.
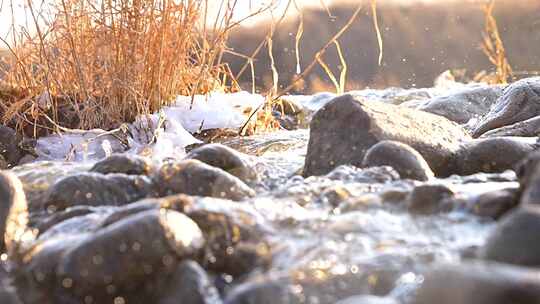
point(322, 227)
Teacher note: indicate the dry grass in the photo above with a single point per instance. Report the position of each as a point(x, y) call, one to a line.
point(493, 47)
point(100, 63)
point(105, 62)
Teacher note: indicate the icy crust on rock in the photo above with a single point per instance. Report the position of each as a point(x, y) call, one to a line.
point(159, 135)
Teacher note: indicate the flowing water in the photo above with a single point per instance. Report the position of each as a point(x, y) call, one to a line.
point(339, 224)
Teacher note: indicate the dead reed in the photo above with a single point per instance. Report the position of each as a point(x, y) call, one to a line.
point(105, 62)
point(493, 47)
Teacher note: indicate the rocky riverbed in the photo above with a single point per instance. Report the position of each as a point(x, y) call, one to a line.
point(422, 196)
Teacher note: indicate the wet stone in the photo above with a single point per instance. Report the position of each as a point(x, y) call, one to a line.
point(495, 204)
point(367, 300)
point(95, 189)
point(403, 158)
point(190, 284)
point(227, 159)
point(528, 171)
point(123, 163)
point(13, 212)
point(429, 199)
point(492, 155)
point(194, 177)
point(10, 146)
point(479, 283)
point(128, 253)
point(374, 175)
point(516, 239)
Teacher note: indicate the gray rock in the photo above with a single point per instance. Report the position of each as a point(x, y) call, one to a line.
point(371, 175)
point(194, 177)
point(7, 292)
point(123, 163)
point(526, 128)
point(367, 300)
point(189, 284)
point(526, 168)
point(345, 128)
point(529, 176)
point(495, 204)
point(227, 159)
point(492, 155)
point(430, 198)
point(9, 146)
point(13, 212)
point(463, 105)
point(127, 253)
point(323, 290)
point(516, 239)
point(404, 159)
point(519, 102)
point(479, 283)
point(95, 189)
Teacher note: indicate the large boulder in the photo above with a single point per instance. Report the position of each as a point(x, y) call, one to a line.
point(479, 283)
point(519, 102)
point(516, 239)
point(492, 155)
point(463, 105)
point(345, 128)
point(404, 159)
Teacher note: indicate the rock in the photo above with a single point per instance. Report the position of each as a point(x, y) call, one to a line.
point(495, 204)
point(479, 283)
point(367, 300)
point(273, 292)
point(194, 177)
point(492, 155)
point(528, 172)
point(465, 104)
point(377, 277)
point(126, 254)
point(372, 175)
point(345, 128)
point(13, 212)
point(429, 199)
point(123, 163)
point(236, 236)
point(191, 285)
point(519, 102)
point(516, 239)
point(9, 145)
point(227, 159)
point(526, 128)
point(526, 168)
point(95, 189)
point(404, 159)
